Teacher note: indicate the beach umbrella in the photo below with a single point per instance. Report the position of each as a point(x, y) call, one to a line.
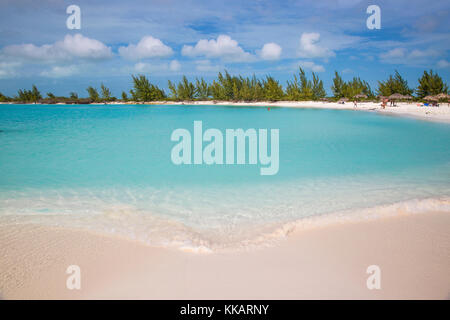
point(442, 96)
point(407, 97)
point(343, 100)
point(395, 96)
point(360, 96)
point(431, 98)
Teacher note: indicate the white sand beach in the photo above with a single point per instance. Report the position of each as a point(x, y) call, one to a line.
point(330, 262)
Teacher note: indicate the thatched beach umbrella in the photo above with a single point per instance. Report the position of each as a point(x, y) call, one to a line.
point(431, 98)
point(407, 97)
point(395, 96)
point(360, 96)
point(343, 100)
point(442, 96)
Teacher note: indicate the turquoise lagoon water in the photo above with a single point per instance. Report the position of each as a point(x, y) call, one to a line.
point(109, 169)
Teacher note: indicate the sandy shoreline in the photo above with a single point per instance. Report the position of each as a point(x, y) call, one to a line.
point(413, 252)
point(412, 110)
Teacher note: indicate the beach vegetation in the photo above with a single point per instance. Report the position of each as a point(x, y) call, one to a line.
point(350, 89)
point(431, 84)
point(32, 95)
point(51, 95)
point(303, 89)
point(394, 84)
point(227, 87)
point(273, 91)
point(202, 89)
point(106, 94)
point(93, 94)
point(4, 98)
point(145, 91)
point(73, 96)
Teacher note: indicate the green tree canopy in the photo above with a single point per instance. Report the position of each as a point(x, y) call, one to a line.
point(273, 90)
point(349, 89)
point(394, 84)
point(143, 90)
point(93, 94)
point(431, 84)
point(106, 93)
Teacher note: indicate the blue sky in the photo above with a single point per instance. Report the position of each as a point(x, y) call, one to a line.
point(168, 38)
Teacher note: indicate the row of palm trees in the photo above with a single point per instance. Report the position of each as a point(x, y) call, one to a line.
point(238, 88)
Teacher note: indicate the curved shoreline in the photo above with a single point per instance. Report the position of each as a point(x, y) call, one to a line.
point(325, 263)
point(182, 238)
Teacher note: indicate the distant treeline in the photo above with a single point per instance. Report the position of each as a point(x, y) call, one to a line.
point(237, 88)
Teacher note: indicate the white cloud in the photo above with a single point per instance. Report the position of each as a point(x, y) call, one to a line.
point(394, 54)
point(60, 72)
point(347, 70)
point(270, 51)
point(73, 46)
point(8, 69)
point(147, 47)
point(309, 48)
point(207, 66)
point(443, 64)
point(403, 56)
point(311, 66)
point(174, 65)
point(224, 47)
point(143, 67)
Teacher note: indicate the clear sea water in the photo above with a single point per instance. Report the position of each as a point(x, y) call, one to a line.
point(109, 169)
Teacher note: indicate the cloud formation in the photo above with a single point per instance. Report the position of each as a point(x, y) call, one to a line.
point(147, 47)
point(142, 67)
point(174, 65)
point(443, 64)
point(309, 48)
point(224, 47)
point(73, 46)
point(404, 56)
point(311, 66)
point(270, 51)
point(60, 71)
point(207, 66)
point(8, 69)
